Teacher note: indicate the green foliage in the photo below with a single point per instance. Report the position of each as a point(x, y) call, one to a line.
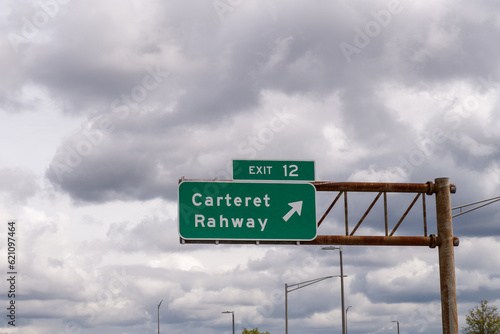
point(482, 319)
point(253, 331)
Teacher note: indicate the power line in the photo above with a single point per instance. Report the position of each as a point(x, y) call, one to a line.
point(486, 201)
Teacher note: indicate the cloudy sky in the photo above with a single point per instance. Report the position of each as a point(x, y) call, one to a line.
point(105, 105)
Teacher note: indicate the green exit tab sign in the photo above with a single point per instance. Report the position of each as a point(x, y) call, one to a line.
point(273, 170)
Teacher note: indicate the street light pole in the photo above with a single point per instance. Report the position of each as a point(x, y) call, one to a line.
point(233, 317)
point(347, 309)
point(286, 308)
point(344, 329)
point(159, 316)
point(297, 286)
point(398, 324)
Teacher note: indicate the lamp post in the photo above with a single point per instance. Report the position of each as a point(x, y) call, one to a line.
point(344, 329)
point(233, 317)
point(398, 324)
point(297, 286)
point(347, 309)
point(159, 316)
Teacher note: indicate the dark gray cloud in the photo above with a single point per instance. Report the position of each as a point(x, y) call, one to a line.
point(237, 63)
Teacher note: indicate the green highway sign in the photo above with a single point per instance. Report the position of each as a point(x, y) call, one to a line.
point(227, 210)
point(273, 170)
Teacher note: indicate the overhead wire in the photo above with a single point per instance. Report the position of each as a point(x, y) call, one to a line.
point(489, 201)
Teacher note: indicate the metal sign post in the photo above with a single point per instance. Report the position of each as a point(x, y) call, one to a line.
point(446, 256)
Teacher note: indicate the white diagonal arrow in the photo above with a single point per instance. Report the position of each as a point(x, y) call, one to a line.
point(296, 207)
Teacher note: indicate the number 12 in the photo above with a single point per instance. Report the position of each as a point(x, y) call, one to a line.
point(293, 170)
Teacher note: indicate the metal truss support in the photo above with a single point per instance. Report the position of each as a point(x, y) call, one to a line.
point(421, 189)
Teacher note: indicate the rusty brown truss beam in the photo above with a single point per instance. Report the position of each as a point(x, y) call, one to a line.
point(427, 188)
point(430, 241)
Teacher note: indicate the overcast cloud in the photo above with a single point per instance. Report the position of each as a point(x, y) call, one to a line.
point(105, 105)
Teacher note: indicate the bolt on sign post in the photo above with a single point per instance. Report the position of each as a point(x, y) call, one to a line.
point(222, 210)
